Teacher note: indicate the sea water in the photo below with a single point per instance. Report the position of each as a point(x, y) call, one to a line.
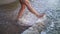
point(52, 9)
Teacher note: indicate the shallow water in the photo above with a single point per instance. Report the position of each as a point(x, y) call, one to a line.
point(52, 10)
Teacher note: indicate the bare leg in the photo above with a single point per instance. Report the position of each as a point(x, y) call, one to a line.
point(21, 10)
point(24, 4)
point(32, 10)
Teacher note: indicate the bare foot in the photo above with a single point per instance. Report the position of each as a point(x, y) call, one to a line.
point(41, 15)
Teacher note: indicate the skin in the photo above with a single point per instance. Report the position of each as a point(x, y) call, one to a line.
point(24, 4)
